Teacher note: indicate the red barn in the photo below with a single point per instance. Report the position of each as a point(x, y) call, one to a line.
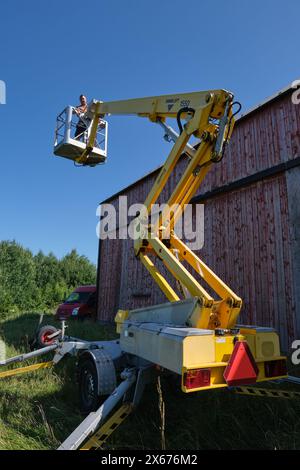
point(252, 224)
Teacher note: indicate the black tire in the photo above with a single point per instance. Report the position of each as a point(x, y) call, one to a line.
point(89, 399)
point(42, 336)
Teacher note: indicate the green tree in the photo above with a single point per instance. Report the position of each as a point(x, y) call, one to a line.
point(18, 277)
point(42, 281)
point(77, 270)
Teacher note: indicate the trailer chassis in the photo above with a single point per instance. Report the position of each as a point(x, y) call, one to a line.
point(120, 377)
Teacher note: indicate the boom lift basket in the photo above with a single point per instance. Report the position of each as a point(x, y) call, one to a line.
point(69, 145)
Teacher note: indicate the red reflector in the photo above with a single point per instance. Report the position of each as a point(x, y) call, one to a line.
point(197, 378)
point(275, 368)
point(241, 368)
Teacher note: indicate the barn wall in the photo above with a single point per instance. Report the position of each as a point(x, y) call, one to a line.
point(252, 230)
point(247, 244)
point(293, 188)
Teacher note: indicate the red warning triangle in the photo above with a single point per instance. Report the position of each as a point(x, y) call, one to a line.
point(241, 368)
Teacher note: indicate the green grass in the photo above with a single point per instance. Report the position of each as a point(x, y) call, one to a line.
point(39, 410)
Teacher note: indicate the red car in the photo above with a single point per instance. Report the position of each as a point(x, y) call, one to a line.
point(80, 304)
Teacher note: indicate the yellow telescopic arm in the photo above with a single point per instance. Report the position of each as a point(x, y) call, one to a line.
point(165, 106)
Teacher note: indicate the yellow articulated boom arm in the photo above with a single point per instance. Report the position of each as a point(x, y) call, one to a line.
point(209, 118)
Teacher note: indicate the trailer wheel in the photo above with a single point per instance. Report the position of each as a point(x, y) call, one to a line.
point(42, 338)
point(88, 386)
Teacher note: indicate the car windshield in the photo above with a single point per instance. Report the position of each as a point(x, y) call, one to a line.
point(78, 298)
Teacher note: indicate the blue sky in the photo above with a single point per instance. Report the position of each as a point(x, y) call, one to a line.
point(53, 51)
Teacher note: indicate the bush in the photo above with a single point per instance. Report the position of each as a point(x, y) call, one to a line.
point(29, 282)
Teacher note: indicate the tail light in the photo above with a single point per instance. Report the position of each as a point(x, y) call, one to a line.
point(275, 368)
point(197, 378)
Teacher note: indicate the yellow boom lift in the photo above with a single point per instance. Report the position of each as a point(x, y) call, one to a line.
point(194, 334)
point(201, 339)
